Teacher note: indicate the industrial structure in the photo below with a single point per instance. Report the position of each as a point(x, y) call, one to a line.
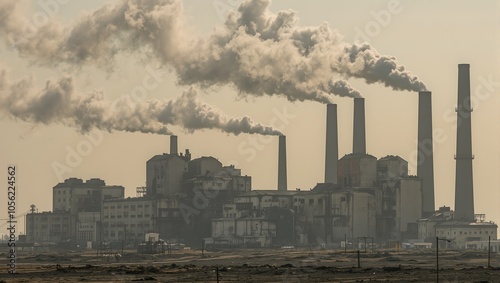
point(200, 200)
point(462, 225)
point(425, 150)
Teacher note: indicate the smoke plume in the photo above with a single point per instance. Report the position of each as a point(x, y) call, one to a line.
point(59, 103)
point(258, 52)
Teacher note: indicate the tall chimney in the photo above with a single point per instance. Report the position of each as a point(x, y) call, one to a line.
point(332, 144)
point(464, 190)
point(425, 157)
point(282, 178)
point(173, 145)
point(359, 138)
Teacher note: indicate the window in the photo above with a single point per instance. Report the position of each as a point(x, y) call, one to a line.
point(311, 201)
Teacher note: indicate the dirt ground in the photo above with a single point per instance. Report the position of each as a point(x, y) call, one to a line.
point(255, 265)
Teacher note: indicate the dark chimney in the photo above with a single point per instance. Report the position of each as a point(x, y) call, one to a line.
point(282, 178)
point(359, 138)
point(464, 191)
point(425, 157)
point(173, 145)
point(332, 149)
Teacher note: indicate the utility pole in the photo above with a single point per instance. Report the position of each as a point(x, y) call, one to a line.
point(437, 255)
point(489, 251)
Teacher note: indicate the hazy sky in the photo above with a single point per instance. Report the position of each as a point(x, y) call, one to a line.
point(428, 38)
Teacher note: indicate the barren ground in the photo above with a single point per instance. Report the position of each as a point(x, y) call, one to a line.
point(256, 265)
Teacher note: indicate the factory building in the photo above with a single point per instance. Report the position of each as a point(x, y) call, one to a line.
point(50, 227)
point(164, 175)
point(187, 200)
point(76, 210)
point(461, 233)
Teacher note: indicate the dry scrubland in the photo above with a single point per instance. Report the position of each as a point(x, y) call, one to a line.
point(258, 265)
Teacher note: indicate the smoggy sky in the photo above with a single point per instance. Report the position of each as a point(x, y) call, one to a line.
point(111, 81)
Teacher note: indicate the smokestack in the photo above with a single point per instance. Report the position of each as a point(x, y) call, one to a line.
point(282, 178)
point(425, 157)
point(173, 145)
point(464, 191)
point(332, 145)
point(359, 138)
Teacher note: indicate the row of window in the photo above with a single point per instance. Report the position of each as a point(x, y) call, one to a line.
point(462, 233)
point(121, 226)
point(129, 216)
point(132, 207)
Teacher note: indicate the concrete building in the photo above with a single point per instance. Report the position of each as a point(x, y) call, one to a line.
point(127, 219)
point(427, 226)
point(87, 227)
point(164, 175)
point(76, 210)
point(54, 227)
point(243, 226)
point(203, 166)
point(76, 196)
point(262, 199)
point(357, 170)
point(401, 202)
point(462, 232)
point(245, 232)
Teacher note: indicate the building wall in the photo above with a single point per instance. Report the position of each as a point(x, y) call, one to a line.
point(426, 229)
point(164, 175)
point(87, 227)
point(357, 171)
point(245, 230)
point(408, 203)
point(261, 200)
point(127, 219)
point(76, 196)
point(203, 166)
point(362, 215)
point(49, 227)
point(61, 199)
point(240, 183)
point(461, 234)
point(391, 167)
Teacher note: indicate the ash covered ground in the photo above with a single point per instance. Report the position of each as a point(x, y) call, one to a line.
point(256, 265)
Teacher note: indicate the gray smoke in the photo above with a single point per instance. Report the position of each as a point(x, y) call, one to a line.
point(363, 61)
point(256, 51)
point(58, 102)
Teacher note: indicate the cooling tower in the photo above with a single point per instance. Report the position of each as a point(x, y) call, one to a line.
point(332, 145)
point(425, 157)
point(282, 178)
point(464, 191)
point(359, 138)
point(173, 145)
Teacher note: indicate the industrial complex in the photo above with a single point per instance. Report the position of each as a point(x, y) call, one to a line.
point(202, 202)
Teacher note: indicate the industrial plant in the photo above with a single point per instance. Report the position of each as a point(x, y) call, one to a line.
point(202, 202)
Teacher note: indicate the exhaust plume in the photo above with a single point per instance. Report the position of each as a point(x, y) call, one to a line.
point(59, 103)
point(258, 52)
